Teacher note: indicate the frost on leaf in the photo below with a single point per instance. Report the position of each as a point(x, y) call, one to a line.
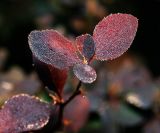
point(52, 48)
point(51, 77)
point(85, 73)
point(114, 35)
point(86, 46)
point(23, 113)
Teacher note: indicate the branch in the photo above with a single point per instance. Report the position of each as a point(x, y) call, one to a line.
point(62, 105)
point(75, 93)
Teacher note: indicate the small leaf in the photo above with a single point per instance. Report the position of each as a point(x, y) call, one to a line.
point(51, 77)
point(86, 46)
point(23, 113)
point(52, 48)
point(114, 35)
point(84, 73)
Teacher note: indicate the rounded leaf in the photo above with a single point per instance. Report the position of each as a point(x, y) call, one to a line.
point(86, 46)
point(23, 113)
point(85, 73)
point(52, 48)
point(114, 35)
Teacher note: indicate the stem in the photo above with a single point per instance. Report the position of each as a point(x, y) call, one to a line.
point(75, 93)
point(60, 118)
point(62, 105)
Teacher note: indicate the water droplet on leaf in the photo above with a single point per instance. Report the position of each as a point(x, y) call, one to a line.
point(84, 73)
point(86, 46)
point(114, 35)
point(23, 113)
point(52, 48)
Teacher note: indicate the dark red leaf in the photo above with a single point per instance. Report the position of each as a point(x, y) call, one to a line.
point(84, 73)
point(86, 46)
point(52, 48)
point(23, 113)
point(114, 35)
point(51, 77)
point(59, 78)
point(76, 113)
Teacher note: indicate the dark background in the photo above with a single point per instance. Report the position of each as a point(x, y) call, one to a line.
point(17, 20)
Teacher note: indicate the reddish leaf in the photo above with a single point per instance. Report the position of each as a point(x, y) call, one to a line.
point(52, 77)
point(23, 113)
point(86, 46)
point(84, 73)
point(76, 113)
point(59, 78)
point(114, 35)
point(52, 48)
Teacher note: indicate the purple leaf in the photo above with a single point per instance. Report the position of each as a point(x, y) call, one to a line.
point(59, 78)
point(52, 48)
point(51, 77)
point(114, 35)
point(86, 46)
point(23, 113)
point(85, 73)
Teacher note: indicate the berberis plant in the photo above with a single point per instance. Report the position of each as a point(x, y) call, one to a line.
point(53, 56)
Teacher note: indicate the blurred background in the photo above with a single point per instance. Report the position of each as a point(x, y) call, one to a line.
point(126, 96)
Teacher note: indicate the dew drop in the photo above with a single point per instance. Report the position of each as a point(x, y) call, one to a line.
point(114, 35)
point(24, 113)
point(86, 46)
point(52, 48)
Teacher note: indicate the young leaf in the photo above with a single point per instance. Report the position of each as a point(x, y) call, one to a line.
point(114, 35)
point(51, 77)
point(85, 73)
point(23, 113)
point(86, 46)
point(52, 48)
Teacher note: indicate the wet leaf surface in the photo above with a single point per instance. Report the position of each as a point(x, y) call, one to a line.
point(114, 35)
point(23, 113)
point(52, 48)
point(85, 73)
point(86, 46)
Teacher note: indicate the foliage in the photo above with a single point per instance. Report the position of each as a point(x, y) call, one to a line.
point(53, 56)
